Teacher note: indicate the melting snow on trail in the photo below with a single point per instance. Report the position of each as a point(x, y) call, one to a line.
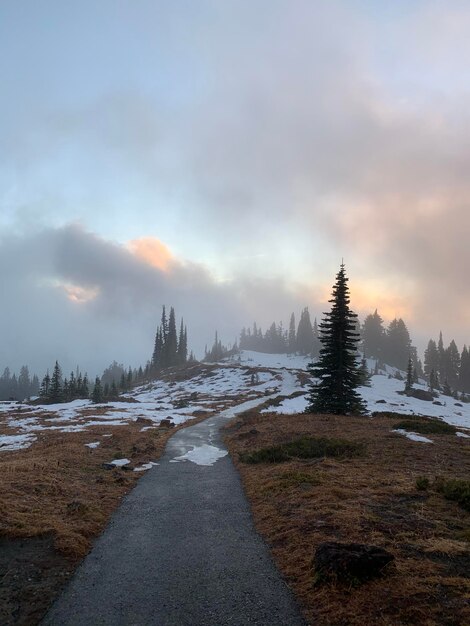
point(202, 455)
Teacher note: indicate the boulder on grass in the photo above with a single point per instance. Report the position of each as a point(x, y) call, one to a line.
point(350, 562)
point(166, 423)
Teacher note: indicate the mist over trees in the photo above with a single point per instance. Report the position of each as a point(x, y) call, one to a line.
point(18, 387)
point(219, 351)
point(446, 368)
point(302, 339)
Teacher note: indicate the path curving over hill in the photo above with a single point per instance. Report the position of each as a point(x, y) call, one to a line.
point(181, 550)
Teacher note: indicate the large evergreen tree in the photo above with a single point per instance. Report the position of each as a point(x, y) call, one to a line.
point(337, 368)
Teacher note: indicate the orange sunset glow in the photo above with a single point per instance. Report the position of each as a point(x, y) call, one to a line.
point(152, 251)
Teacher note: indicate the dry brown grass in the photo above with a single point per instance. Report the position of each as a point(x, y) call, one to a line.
point(59, 486)
point(370, 499)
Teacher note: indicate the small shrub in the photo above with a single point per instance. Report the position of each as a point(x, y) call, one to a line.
point(305, 448)
point(422, 483)
point(426, 427)
point(275, 454)
point(457, 490)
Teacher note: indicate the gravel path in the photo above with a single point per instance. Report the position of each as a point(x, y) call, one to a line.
point(181, 550)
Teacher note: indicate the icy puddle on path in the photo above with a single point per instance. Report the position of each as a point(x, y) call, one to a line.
point(202, 455)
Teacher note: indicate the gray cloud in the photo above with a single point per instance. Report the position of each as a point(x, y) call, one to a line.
point(40, 322)
point(309, 133)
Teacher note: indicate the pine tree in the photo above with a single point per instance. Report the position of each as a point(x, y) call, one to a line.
point(433, 381)
point(409, 375)
point(182, 354)
point(305, 333)
point(55, 390)
point(336, 369)
point(431, 359)
point(397, 344)
point(291, 341)
point(45, 386)
point(451, 364)
point(373, 334)
point(97, 394)
point(464, 373)
point(441, 353)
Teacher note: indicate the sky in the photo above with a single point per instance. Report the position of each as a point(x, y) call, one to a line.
point(224, 156)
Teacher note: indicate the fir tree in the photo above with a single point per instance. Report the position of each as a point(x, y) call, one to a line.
point(45, 386)
point(433, 380)
point(182, 353)
point(409, 376)
point(431, 359)
point(336, 369)
point(464, 373)
point(373, 334)
point(305, 333)
point(55, 390)
point(291, 341)
point(397, 345)
point(97, 394)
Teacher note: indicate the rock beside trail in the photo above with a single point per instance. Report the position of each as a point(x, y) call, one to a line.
point(350, 562)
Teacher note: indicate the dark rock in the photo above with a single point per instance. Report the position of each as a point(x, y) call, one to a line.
point(420, 394)
point(351, 562)
point(380, 402)
point(128, 467)
point(166, 423)
point(143, 420)
point(108, 466)
point(457, 404)
point(438, 403)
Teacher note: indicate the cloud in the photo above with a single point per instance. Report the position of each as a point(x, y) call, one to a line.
point(153, 252)
point(74, 296)
point(305, 132)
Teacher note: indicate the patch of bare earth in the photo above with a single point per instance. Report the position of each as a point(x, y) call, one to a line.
point(370, 499)
point(55, 498)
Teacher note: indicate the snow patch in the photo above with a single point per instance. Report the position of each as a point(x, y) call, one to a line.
point(202, 455)
point(93, 444)
point(120, 462)
point(412, 436)
point(8, 443)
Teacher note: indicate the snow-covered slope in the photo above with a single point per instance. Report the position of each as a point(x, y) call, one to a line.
point(210, 389)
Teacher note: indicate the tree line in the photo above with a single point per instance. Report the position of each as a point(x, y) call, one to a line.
point(169, 349)
point(22, 386)
point(302, 338)
point(446, 368)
